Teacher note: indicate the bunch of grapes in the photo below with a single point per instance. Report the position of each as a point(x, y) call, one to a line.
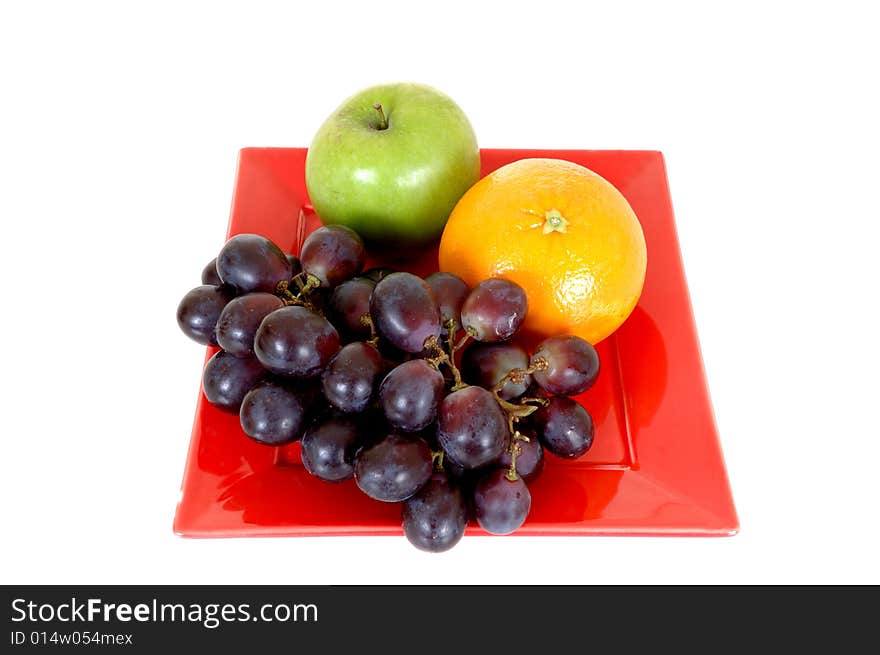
point(414, 387)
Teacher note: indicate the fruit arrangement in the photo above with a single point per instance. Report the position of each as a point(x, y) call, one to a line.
point(422, 390)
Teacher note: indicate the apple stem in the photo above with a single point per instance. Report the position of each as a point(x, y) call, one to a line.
point(383, 121)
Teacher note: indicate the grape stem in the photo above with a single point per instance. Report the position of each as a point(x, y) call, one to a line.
point(468, 335)
point(451, 326)
point(514, 448)
point(312, 283)
point(283, 291)
point(515, 451)
point(437, 460)
point(518, 375)
point(514, 433)
point(441, 357)
point(367, 320)
point(543, 402)
point(515, 412)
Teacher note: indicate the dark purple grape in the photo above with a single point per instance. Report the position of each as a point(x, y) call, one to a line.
point(472, 428)
point(295, 265)
point(501, 505)
point(376, 274)
point(209, 274)
point(450, 292)
point(393, 469)
point(333, 254)
point(227, 379)
point(435, 518)
point(199, 310)
point(494, 310)
point(295, 341)
point(351, 378)
point(239, 320)
point(329, 447)
point(456, 471)
point(572, 365)
point(410, 394)
point(529, 461)
point(392, 355)
point(466, 479)
point(564, 427)
point(405, 312)
point(348, 303)
point(250, 262)
point(318, 299)
point(373, 427)
point(310, 392)
point(486, 364)
point(272, 414)
point(429, 434)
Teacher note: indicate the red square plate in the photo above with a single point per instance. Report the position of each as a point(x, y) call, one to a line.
point(655, 467)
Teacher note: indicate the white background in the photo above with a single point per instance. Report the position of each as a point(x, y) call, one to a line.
point(120, 125)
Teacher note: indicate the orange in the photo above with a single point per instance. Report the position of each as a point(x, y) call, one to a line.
point(563, 233)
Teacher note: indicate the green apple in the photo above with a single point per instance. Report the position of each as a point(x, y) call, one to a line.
point(391, 163)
